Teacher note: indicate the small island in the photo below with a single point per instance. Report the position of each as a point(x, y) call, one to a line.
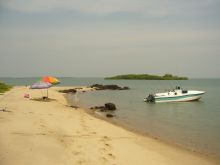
point(146, 77)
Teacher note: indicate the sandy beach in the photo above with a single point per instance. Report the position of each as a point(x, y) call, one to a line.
point(52, 133)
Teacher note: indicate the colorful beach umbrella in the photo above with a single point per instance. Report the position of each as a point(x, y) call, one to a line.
point(51, 80)
point(41, 85)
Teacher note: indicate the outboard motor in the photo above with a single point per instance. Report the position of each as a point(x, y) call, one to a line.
point(150, 98)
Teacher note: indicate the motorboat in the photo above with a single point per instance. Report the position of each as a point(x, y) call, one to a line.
point(176, 95)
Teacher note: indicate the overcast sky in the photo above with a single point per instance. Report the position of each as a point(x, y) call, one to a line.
point(96, 38)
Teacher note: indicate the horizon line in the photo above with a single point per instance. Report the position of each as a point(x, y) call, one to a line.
point(91, 77)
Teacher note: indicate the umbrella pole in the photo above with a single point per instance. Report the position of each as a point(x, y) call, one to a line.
point(41, 92)
point(47, 93)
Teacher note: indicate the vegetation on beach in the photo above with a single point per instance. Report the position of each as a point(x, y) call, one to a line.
point(147, 77)
point(4, 87)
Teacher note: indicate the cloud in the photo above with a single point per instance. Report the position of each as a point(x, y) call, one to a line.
point(98, 29)
point(104, 36)
point(155, 8)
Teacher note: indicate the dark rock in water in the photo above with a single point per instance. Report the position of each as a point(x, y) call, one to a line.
point(107, 107)
point(126, 88)
point(99, 107)
point(78, 88)
point(109, 115)
point(102, 108)
point(108, 87)
point(110, 106)
point(68, 91)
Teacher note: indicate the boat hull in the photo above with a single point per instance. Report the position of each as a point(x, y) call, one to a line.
point(184, 98)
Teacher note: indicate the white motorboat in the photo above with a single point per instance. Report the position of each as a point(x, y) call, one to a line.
point(177, 95)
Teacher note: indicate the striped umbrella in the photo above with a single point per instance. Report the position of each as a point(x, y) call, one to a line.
point(51, 80)
point(41, 85)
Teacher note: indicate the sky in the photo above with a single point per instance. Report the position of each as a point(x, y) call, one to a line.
point(102, 38)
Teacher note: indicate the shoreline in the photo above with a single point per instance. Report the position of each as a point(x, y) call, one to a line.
point(36, 132)
point(148, 135)
point(118, 123)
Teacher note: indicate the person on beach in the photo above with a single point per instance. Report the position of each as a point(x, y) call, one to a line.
point(76, 98)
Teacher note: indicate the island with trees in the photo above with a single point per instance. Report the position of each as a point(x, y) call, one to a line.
point(146, 77)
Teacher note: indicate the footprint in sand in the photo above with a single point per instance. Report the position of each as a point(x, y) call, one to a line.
point(42, 134)
point(79, 146)
point(51, 132)
point(107, 148)
point(104, 159)
point(107, 145)
point(76, 153)
point(78, 132)
point(103, 150)
point(21, 133)
point(106, 138)
point(80, 162)
point(111, 155)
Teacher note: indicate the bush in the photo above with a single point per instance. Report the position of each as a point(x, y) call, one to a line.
point(4, 87)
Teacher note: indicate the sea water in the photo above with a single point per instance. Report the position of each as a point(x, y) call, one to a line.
point(194, 125)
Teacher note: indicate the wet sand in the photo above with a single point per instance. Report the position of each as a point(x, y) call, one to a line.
point(50, 132)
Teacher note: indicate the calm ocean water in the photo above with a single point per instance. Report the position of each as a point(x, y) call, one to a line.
point(194, 125)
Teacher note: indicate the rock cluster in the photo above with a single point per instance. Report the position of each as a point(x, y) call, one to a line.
point(68, 91)
point(108, 87)
point(106, 107)
point(109, 115)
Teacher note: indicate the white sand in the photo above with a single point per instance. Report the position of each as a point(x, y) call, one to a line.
point(51, 133)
